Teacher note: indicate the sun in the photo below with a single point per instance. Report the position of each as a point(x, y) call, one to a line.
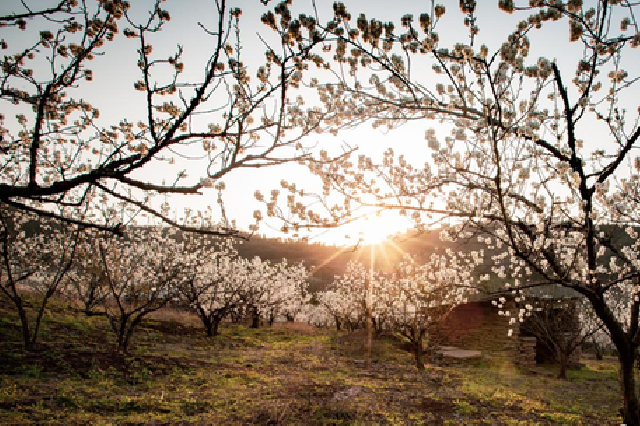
point(372, 229)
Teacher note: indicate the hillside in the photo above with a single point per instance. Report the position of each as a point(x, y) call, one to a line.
point(326, 261)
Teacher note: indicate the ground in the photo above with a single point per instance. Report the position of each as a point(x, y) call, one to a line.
point(287, 374)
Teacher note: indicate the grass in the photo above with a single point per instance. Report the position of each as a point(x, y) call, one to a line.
point(288, 374)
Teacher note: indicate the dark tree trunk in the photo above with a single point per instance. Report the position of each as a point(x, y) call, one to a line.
point(626, 357)
point(255, 318)
point(236, 315)
point(24, 321)
point(417, 352)
point(630, 413)
point(563, 367)
point(124, 348)
point(218, 316)
point(208, 326)
point(121, 331)
point(216, 326)
point(30, 336)
point(137, 319)
point(377, 326)
point(207, 321)
point(598, 349)
point(43, 307)
point(122, 328)
point(563, 351)
point(369, 327)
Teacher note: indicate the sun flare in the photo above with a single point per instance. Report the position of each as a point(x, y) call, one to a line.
point(370, 230)
point(374, 230)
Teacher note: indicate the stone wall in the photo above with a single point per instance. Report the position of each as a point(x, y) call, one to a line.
point(526, 356)
point(552, 319)
point(477, 325)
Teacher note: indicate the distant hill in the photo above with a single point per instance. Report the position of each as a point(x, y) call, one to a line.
point(327, 261)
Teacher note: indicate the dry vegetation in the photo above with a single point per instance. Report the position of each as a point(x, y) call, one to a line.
point(288, 374)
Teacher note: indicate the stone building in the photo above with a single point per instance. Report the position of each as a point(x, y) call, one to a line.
point(477, 325)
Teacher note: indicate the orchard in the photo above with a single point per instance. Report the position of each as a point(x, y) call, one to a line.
point(141, 143)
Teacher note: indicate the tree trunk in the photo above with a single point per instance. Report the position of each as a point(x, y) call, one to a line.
point(216, 326)
point(563, 351)
point(417, 352)
point(121, 327)
point(563, 367)
point(24, 321)
point(124, 347)
point(217, 319)
point(122, 333)
point(598, 348)
point(369, 339)
point(36, 328)
point(629, 411)
point(207, 321)
point(208, 327)
point(122, 330)
point(235, 315)
point(137, 319)
point(378, 327)
point(255, 318)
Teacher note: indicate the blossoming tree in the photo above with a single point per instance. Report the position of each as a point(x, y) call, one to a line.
point(562, 328)
point(63, 145)
point(140, 274)
point(36, 256)
point(540, 159)
point(268, 288)
point(211, 286)
point(423, 297)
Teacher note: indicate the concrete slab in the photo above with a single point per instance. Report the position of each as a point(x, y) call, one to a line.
point(460, 353)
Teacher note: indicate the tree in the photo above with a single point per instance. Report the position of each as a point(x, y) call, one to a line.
point(141, 274)
point(329, 309)
point(356, 299)
point(411, 301)
point(211, 287)
point(287, 293)
point(86, 283)
point(268, 287)
point(562, 327)
point(351, 297)
point(36, 256)
point(423, 297)
point(56, 150)
point(213, 293)
point(539, 164)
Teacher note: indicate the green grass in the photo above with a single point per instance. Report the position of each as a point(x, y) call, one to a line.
point(274, 375)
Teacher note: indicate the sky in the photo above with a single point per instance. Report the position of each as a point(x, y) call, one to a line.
point(115, 72)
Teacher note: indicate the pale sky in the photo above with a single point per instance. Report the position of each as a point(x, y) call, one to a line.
point(112, 90)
